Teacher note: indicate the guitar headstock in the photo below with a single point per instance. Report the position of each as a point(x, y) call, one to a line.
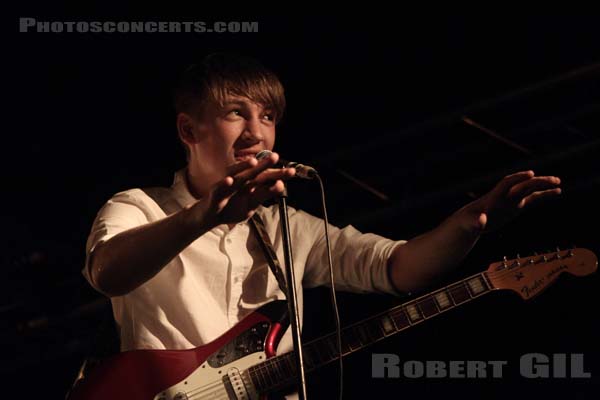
point(529, 276)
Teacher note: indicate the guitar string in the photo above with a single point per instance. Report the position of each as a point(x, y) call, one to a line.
point(201, 390)
point(222, 395)
point(278, 361)
point(215, 389)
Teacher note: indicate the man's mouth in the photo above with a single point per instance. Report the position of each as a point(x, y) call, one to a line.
point(244, 155)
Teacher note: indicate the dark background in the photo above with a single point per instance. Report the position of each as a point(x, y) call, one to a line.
point(384, 98)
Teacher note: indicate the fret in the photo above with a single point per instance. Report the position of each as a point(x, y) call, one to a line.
point(267, 375)
point(374, 330)
point(442, 300)
point(486, 279)
point(318, 355)
point(259, 383)
point(290, 362)
point(261, 377)
point(387, 325)
point(331, 342)
point(459, 293)
point(362, 334)
point(279, 370)
point(345, 346)
point(352, 339)
point(321, 356)
point(308, 360)
point(311, 355)
point(328, 349)
point(286, 367)
point(270, 368)
point(413, 313)
point(400, 319)
point(476, 285)
point(325, 350)
point(428, 307)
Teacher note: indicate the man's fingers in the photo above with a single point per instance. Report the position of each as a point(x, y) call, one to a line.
point(268, 177)
point(223, 189)
point(275, 174)
point(241, 166)
point(537, 184)
point(536, 196)
point(241, 173)
point(263, 193)
point(510, 180)
point(244, 176)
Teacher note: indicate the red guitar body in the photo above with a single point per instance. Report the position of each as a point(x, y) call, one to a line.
point(148, 374)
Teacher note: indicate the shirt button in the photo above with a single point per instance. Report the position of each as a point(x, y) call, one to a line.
point(228, 240)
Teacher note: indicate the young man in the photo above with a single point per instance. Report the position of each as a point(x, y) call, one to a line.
point(181, 264)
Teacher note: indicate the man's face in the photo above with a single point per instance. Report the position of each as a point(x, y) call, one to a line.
point(229, 134)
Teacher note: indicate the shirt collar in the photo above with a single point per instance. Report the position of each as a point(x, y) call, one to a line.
point(180, 188)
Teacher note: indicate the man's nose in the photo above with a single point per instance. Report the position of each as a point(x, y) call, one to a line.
point(253, 130)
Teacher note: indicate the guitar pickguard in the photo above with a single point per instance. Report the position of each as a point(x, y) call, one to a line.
point(224, 374)
point(229, 381)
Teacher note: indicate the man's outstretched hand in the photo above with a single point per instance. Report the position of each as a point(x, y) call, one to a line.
point(507, 199)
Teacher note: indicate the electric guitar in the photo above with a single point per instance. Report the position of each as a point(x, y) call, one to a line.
point(242, 364)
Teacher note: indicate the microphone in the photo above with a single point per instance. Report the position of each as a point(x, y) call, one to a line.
point(302, 171)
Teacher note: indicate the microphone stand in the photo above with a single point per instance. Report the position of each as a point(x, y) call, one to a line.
point(291, 295)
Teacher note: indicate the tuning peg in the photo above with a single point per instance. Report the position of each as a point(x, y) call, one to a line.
point(558, 257)
point(517, 260)
point(504, 262)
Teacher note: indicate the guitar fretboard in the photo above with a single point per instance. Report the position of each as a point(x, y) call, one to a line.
point(279, 372)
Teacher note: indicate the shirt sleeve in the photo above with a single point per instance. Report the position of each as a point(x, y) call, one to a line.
point(360, 260)
point(122, 212)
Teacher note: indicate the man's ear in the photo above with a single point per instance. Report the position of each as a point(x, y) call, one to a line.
point(185, 128)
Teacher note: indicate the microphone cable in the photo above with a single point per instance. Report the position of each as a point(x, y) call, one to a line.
point(338, 329)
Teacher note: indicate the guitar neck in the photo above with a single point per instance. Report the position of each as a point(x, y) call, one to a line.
point(279, 372)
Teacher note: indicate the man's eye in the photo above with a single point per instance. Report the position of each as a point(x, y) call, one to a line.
point(234, 114)
point(268, 117)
